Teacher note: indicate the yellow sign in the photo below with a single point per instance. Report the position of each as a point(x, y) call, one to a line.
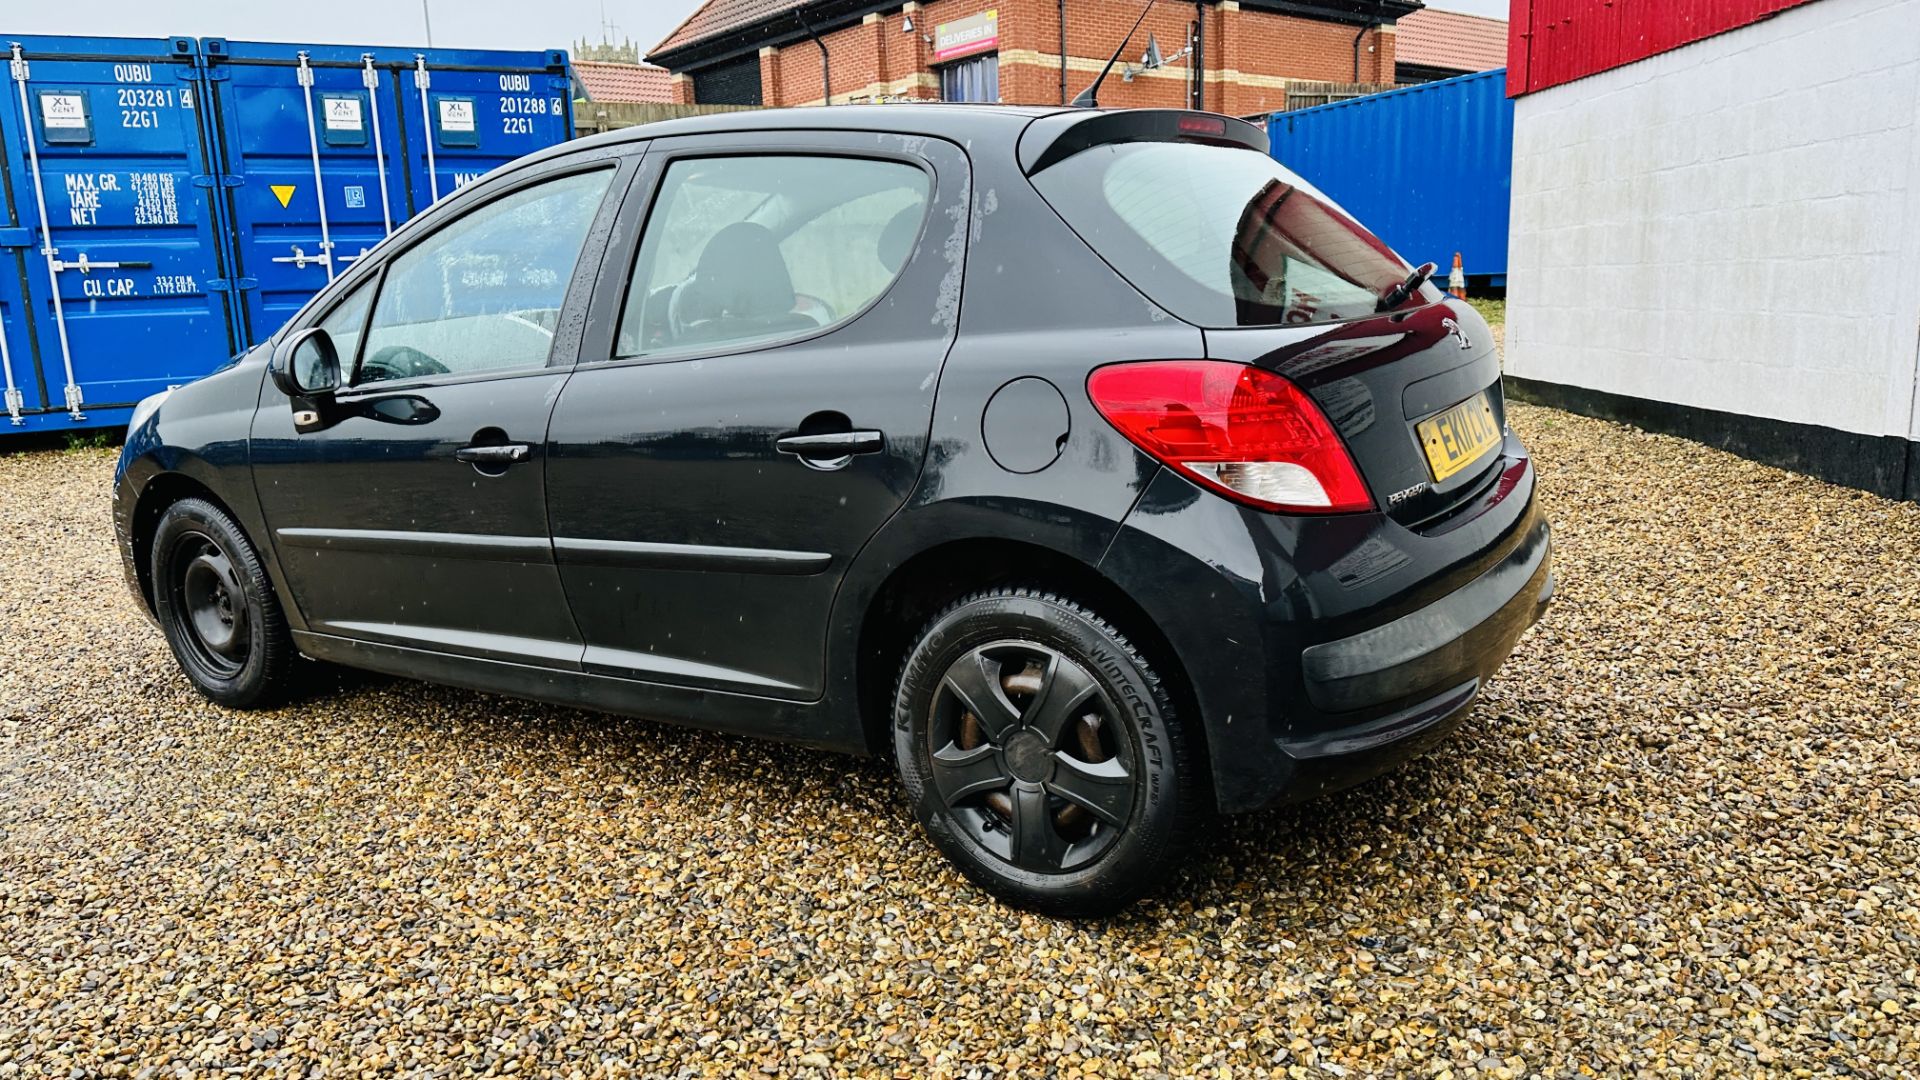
point(1458, 437)
point(283, 192)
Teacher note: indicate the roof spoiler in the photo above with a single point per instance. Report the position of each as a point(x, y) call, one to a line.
point(1054, 138)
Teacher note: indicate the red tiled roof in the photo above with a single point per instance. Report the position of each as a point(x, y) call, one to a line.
point(624, 82)
point(716, 17)
point(1449, 39)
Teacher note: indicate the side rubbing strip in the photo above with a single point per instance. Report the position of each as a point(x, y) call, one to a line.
point(634, 555)
point(444, 545)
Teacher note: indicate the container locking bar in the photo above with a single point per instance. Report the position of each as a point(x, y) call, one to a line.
point(325, 258)
point(15, 402)
point(371, 80)
point(21, 71)
point(422, 80)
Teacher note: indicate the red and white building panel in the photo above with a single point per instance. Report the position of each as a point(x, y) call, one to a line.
point(1716, 224)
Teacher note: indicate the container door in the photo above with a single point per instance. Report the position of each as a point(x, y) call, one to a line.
point(121, 287)
point(469, 112)
point(309, 144)
point(23, 392)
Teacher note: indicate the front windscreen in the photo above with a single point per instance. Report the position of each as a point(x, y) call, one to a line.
point(1222, 236)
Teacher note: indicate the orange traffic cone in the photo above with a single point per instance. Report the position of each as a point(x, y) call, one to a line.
point(1457, 279)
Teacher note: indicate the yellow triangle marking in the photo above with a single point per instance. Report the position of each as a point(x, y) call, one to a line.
point(283, 192)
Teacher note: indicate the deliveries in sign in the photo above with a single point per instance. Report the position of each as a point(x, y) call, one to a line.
point(63, 111)
point(964, 37)
point(456, 114)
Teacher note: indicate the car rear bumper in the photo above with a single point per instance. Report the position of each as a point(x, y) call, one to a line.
point(1437, 657)
point(1470, 630)
point(1320, 651)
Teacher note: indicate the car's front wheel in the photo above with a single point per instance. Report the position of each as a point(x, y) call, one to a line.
point(1042, 753)
point(217, 607)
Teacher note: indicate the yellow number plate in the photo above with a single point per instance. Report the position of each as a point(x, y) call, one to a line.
point(1456, 438)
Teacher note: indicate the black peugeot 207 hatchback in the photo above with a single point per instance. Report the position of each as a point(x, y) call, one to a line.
point(1089, 462)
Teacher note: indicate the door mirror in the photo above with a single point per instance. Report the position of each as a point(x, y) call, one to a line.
point(306, 365)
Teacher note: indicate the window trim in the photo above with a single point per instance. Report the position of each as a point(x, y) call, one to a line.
point(622, 160)
point(650, 182)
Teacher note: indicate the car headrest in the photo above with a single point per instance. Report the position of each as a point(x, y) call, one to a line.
point(896, 237)
point(741, 275)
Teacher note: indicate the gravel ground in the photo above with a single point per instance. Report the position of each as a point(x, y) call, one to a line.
point(1677, 837)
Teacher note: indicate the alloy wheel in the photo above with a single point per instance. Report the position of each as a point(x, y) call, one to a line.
point(1029, 757)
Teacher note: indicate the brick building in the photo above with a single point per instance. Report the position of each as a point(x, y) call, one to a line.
point(1232, 56)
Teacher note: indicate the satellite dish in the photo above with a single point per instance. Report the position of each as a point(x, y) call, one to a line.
point(1151, 58)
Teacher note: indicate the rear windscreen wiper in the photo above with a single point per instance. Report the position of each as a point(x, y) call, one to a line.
point(1397, 295)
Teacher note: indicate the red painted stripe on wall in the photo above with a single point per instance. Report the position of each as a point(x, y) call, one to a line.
point(1551, 42)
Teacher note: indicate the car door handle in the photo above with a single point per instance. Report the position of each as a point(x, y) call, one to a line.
point(833, 444)
point(494, 455)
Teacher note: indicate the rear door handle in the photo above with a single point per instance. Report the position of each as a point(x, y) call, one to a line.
point(833, 444)
point(494, 455)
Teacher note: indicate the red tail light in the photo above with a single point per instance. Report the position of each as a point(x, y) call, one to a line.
point(1242, 431)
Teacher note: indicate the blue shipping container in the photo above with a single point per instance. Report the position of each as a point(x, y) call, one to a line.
point(1428, 168)
point(166, 204)
point(390, 131)
point(111, 266)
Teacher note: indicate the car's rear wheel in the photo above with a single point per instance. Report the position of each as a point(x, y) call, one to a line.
point(217, 608)
point(1042, 753)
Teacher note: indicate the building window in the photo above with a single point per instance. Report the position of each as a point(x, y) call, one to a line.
point(977, 78)
point(734, 83)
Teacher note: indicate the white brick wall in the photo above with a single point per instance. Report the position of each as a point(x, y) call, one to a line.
point(1734, 225)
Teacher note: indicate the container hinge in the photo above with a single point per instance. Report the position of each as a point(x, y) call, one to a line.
point(20, 236)
point(305, 73)
point(226, 285)
point(19, 66)
point(73, 402)
point(15, 402)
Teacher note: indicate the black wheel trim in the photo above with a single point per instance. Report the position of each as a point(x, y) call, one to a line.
point(211, 609)
point(1034, 784)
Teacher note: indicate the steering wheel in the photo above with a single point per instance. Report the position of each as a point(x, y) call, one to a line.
point(399, 362)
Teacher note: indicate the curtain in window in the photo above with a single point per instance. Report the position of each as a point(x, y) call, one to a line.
point(976, 78)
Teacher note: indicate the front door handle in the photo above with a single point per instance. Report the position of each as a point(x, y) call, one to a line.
point(494, 455)
point(832, 444)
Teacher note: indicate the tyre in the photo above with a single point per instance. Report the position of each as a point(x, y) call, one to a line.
point(217, 608)
point(1042, 754)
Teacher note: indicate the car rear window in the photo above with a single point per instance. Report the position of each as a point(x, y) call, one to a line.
point(1222, 236)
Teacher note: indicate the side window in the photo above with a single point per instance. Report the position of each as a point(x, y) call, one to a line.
point(759, 248)
point(345, 323)
point(483, 293)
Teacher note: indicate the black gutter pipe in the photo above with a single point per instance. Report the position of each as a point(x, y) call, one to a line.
point(1199, 60)
point(1356, 51)
point(1063, 51)
point(826, 73)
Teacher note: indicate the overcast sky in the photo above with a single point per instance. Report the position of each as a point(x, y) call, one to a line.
point(492, 24)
